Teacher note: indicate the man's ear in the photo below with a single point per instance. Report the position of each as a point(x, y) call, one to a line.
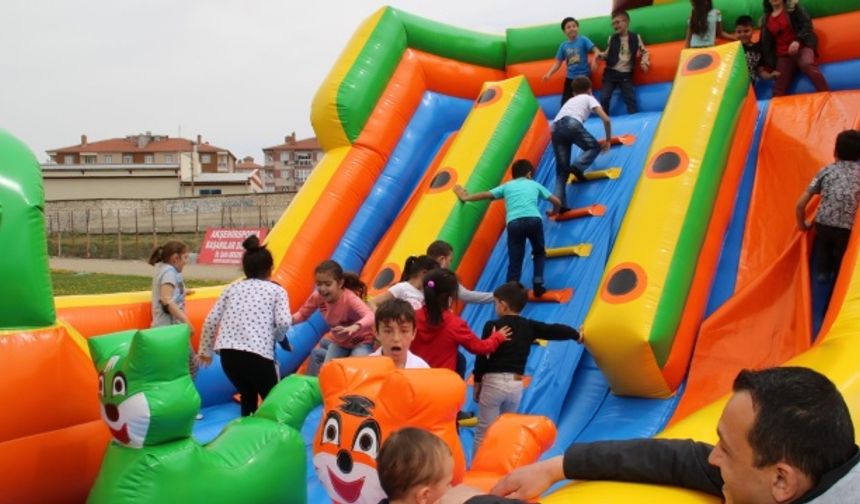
point(789, 482)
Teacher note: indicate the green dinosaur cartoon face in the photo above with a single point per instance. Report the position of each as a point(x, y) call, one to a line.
point(146, 393)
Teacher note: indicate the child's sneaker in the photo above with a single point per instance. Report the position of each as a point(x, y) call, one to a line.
point(539, 290)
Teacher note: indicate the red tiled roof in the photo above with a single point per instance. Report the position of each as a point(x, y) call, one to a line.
point(304, 144)
point(126, 145)
point(248, 166)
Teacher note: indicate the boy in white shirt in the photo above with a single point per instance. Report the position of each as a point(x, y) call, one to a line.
point(395, 330)
point(568, 129)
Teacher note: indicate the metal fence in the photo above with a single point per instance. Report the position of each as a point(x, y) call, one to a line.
point(131, 228)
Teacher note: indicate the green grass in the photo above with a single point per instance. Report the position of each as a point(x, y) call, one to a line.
point(112, 246)
point(67, 283)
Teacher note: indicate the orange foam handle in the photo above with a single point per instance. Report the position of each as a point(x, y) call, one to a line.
point(552, 296)
point(595, 210)
point(626, 139)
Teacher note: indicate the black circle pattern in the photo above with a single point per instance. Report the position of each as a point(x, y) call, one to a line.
point(622, 282)
point(440, 179)
point(487, 95)
point(383, 278)
point(666, 162)
point(699, 62)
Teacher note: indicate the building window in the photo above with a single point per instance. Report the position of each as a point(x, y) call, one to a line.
point(148, 159)
point(222, 163)
point(302, 176)
point(108, 159)
point(269, 158)
point(90, 159)
point(209, 192)
point(285, 157)
point(67, 159)
point(168, 158)
point(127, 159)
point(304, 159)
point(206, 158)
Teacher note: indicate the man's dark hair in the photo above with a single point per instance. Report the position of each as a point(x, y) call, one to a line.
point(568, 20)
point(514, 294)
point(439, 248)
point(744, 21)
point(621, 13)
point(521, 168)
point(800, 418)
point(848, 145)
point(397, 310)
point(580, 85)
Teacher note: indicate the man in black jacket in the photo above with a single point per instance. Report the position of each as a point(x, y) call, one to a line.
point(785, 436)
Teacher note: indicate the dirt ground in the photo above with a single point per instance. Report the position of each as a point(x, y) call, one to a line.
point(142, 268)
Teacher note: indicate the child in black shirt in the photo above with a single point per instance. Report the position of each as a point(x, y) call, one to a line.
point(499, 376)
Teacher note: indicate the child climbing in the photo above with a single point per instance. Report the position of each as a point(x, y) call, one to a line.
point(523, 216)
point(443, 253)
point(839, 186)
point(411, 282)
point(441, 331)
point(249, 318)
point(568, 129)
point(340, 299)
point(499, 377)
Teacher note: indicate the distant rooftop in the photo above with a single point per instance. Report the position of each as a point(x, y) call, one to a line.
point(144, 143)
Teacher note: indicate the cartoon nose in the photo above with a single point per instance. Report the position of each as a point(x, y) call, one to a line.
point(112, 412)
point(344, 461)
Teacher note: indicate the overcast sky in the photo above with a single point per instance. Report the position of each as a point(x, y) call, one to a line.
point(240, 72)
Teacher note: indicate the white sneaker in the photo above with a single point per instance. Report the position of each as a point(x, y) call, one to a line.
point(199, 416)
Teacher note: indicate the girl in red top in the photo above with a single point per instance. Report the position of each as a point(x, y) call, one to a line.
point(788, 43)
point(441, 331)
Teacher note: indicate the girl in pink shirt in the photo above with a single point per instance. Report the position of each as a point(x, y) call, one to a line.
point(339, 298)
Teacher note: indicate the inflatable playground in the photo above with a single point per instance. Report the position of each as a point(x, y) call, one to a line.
point(683, 263)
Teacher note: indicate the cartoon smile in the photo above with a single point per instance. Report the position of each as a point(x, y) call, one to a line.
point(120, 435)
point(349, 490)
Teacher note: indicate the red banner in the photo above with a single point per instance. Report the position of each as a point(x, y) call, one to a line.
point(224, 246)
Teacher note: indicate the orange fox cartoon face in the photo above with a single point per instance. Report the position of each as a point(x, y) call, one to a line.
point(345, 460)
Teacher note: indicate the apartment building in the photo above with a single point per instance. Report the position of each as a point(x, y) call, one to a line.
point(144, 166)
point(292, 162)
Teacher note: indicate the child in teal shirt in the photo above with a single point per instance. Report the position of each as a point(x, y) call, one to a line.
point(524, 220)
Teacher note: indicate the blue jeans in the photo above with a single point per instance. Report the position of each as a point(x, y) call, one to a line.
point(613, 80)
point(500, 394)
point(567, 132)
point(519, 230)
point(329, 350)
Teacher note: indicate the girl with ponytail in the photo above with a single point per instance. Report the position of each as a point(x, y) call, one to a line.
point(441, 331)
point(411, 283)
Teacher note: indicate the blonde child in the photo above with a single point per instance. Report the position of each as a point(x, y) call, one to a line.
point(246, 340)
point(411, 282)
point(414, 467)
point(395, 329)
point(339, 297)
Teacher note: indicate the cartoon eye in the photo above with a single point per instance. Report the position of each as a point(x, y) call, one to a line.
point(101, 384)
point(367, 439)
point(331, 431)
point(118, 385)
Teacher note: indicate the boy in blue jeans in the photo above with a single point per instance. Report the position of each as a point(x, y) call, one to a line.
point(524, 220)
point(568, 128)
point(574, 53)
point(499, 376)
